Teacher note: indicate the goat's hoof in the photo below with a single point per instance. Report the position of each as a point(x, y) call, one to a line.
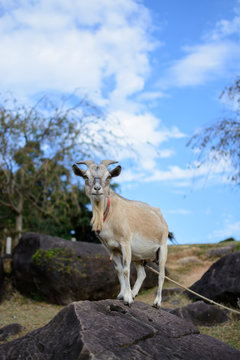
point(127, 303)
point(156, 306)
point(119, 297)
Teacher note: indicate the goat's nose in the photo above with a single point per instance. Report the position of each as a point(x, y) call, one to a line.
point(97, 187)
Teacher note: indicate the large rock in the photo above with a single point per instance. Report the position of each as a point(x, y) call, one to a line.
point(222, 251)
point(202, 314)
point(11, 329)
point(221, 281)
point(61, 271)
point(109, 330)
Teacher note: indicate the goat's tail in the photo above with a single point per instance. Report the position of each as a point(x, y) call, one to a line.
point(171, 237)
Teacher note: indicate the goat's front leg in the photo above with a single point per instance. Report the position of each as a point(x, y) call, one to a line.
point(117, 261)
point(126, 258)
point(141, 275)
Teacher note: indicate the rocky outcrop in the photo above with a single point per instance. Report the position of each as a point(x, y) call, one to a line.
point(202, 314)
point(11, 329)
point(221, 282)
point(109, 330)
point(61, 271)
point(221, 251)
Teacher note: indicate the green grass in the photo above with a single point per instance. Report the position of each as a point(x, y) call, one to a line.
point(228, 332)
point(29, 313)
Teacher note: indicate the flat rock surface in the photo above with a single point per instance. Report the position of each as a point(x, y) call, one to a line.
point(107, 329)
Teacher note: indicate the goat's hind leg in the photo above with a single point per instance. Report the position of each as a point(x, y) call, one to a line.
point(162, 258)
point(141, 275)
point(117, 261)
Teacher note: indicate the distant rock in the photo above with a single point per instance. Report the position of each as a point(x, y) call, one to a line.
point(167, 293)
point(11, 329)
point(110, 330)
point(189, 260)
point(61, 271)
point(202, 314)
point(171, 291)
point(222, 251)
point(221, 282)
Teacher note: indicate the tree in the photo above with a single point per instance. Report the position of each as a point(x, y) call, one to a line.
point(37, 148)
point(69, 211)
point(221, 140)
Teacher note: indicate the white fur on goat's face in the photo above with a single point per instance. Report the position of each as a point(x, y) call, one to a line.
point(97, 180)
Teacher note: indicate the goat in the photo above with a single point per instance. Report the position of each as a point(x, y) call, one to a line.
point(130, 230)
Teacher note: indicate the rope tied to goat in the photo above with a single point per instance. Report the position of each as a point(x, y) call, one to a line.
point(193, 292)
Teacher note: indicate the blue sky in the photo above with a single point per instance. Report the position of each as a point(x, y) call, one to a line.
point(157, 69)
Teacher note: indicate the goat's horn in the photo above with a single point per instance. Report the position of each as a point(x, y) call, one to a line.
point(87, 162)
point(108, 162)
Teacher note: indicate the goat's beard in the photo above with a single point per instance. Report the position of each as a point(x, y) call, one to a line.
point(97, 219)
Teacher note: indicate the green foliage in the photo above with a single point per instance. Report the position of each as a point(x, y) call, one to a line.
point(45, 255)
point(61, 260)
point(237, 248)
point(221, 140)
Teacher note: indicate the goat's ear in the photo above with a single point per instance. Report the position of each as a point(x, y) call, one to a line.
point(116, 171)
point(77, 171)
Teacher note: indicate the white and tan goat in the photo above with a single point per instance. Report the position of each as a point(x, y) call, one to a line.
point(130, 230)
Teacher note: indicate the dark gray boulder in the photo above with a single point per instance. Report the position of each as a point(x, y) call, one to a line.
point(202, 314)
point(110, 330)
point(11, 329)
point(61, 271)
point(221, 282)
point(167, 293)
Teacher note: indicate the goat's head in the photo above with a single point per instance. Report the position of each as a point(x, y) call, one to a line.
point(97, 178)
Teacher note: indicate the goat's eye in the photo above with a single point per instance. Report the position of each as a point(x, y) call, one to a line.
point(107, 181)
point(86, 180)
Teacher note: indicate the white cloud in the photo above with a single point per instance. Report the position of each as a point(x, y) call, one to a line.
point(208, 171)
point(181, 177)
point(217, 55)
point(228, 229)
point(225, 28)
point(201, 63)
point(100, 48)
point(151, 95)
point(144, 133)
point(64, 45)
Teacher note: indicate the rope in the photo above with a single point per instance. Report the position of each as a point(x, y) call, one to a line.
point(193, 292)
